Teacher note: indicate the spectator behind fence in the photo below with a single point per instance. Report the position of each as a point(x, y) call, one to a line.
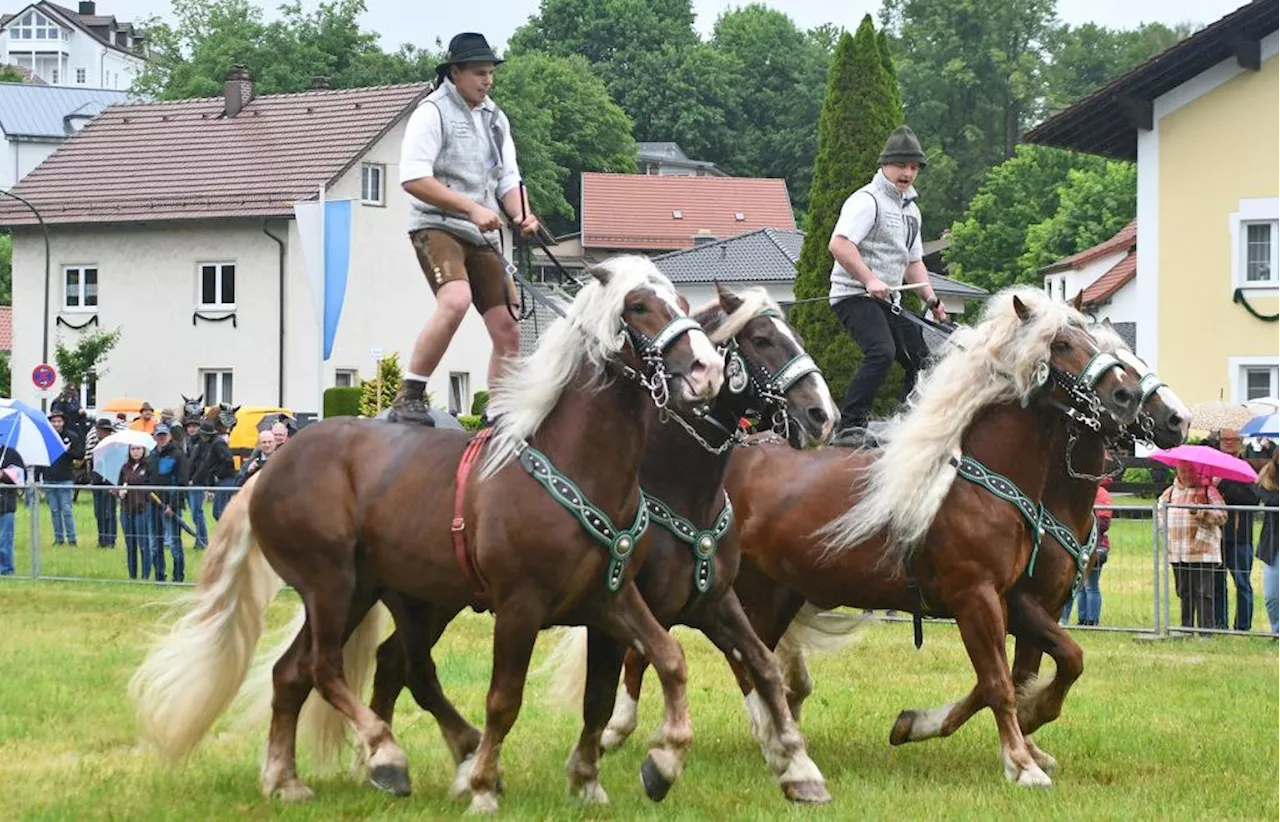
point(12, 472)
point(1237, 544)
point(135, 511)
point(1268, 541)
point(281, 432)
point(170, 473)
point(58, 478)
point(1195, 540)
point(104, 502)
point(194, 447)
point(266, 447)
point(1088, 599)
point(216, 466)
point(146, 421)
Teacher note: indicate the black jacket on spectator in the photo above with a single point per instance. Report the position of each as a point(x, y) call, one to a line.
point(62, 470)
point(8, 493)
point(1239, 527)
point(213, 462)
point(169, 468)
point(1269, 539)
point(135, 475)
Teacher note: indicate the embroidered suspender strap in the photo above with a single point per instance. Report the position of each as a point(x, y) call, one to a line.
point(1001, 486)
point(1065, 537)
point(459, 527)
point(702, 543)
point(621, 544)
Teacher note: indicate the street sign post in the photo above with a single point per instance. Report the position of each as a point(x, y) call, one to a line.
point(44, 376)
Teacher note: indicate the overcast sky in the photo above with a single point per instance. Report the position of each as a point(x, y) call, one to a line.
point(422, 21)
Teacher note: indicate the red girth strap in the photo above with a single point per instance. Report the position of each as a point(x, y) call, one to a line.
point(467, 560)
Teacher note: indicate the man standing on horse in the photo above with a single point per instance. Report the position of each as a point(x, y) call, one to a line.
point(876, 245)
point(458, 164)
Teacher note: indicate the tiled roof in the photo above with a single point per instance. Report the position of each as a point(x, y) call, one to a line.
point(185, 160)
point(6, 328)
point(1124, 240)
point(767, 255)
point(1117, 277)
point(633, 211)
point(29, 110)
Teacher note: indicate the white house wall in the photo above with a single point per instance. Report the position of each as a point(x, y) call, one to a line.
point(21, 156)
point(104, 67)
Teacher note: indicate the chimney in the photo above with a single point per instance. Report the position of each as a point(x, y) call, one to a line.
point(238, 90)
point(88, 8)
point(319, 82)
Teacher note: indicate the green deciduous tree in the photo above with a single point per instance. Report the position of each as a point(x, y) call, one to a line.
point(859, 111)
point(6, 269)
point(564, 123)
point(1085, 58)
point(1093, 204)
point(607, 33)
point(87, 356)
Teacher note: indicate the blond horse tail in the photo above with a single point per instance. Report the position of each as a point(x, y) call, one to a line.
point(821, 632)
point(193, 672)
point(567, 667)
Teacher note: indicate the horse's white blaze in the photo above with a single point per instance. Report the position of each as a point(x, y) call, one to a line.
point(707, 382)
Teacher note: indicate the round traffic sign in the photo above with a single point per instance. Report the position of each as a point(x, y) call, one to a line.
point(44, 376)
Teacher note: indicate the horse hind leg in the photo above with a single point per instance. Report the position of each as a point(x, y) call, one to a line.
point(796, 680)
point(388, 766)
point(980, 617)
point(604, 662)
point(291, 679)
point(624, 720)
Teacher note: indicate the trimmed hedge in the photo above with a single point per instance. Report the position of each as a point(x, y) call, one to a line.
point(471, 422)
point(342, 402)
point(479, 402)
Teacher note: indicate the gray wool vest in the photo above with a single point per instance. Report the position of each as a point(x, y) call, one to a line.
point(463, 164)
point(887, 247)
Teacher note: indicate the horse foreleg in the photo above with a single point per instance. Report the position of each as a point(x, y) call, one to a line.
point(291, 677)
point(979, 613)
point(629, 621)
point(727, 626)
point(515, 629)
point(623, 722)
point(604, 663)
point(330, 627)
point(795, 678)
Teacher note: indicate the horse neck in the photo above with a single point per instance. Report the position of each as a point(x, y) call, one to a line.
point(679, 471)
point(1066, 494)
point(1015, 442)
point(596, 437)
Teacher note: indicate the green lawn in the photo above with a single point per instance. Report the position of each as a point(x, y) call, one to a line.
point(1179, 729)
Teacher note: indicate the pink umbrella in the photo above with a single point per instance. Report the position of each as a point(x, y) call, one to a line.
point(1213, 462)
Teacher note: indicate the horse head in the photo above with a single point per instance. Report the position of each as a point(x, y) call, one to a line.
point(768, 373)
point(1163, 418)
point(192, 407)
point(226, 417)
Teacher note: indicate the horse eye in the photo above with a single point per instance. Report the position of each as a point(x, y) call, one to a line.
point(761, 342)
point(1060, 347)
point(637, 308)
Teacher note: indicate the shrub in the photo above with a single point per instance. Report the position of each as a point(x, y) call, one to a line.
point(471, 422)
point(342, 402)
point(479, 402)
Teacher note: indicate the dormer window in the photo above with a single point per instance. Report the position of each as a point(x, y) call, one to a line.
point(35, 26)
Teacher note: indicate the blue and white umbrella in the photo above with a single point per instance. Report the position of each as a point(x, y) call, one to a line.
point(1267, 425)
point(25, 430)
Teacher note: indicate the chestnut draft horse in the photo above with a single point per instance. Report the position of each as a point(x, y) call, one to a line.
point(357, 508)
point(890, 528)
point(693, 557)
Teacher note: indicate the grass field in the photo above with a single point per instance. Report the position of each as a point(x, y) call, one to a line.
point(1181, 729)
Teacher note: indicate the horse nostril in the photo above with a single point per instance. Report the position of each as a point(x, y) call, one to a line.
point(817, 415)
point(1175, 421)
point(1124, 398)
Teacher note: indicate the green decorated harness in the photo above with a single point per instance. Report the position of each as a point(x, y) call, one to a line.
point(703, 543)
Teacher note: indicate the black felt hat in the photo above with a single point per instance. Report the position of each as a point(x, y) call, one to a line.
point(468, 47)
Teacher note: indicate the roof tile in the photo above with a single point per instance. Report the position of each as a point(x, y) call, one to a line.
point(185, 160)
point(6, 328)
point(635, 211)
point(1124, 239)
point(1117, 277)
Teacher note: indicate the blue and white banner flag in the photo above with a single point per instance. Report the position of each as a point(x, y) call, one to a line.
point(325, 230)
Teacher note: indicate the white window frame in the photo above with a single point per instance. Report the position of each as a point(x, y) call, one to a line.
point(89, 391)
point(460, 399)
point(1252, 211)
point(1237, 367)
point(352, 376)
point(223, 389)
point(82, 76)
point(368, 196)
point(33, 22)
point(219, 304)
point(80, 269)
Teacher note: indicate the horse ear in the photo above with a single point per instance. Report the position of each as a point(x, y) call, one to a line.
point(1106, 321)
point(729, 301)
point(185, 399)
point(1020, 308)
point(600, 273)
point(235, 409)
point(1078, 302)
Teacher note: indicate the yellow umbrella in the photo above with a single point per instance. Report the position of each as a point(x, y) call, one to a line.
point(128, 405)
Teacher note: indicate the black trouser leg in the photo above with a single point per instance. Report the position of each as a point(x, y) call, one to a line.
point(867, 319)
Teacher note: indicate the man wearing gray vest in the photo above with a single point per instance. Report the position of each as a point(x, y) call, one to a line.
point(458, 164)
point(876, 245)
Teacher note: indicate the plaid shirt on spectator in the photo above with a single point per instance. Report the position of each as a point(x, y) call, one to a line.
point(1195, 535)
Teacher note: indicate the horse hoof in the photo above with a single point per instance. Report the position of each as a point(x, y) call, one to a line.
point(391, 778)
point(1033, 777)
point(807, 793)
point(293, 792)
point(483, 803)
point(656, 785)
point(902, 728)
point(462, 778)
point(1046, 761)
point(592, 793)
